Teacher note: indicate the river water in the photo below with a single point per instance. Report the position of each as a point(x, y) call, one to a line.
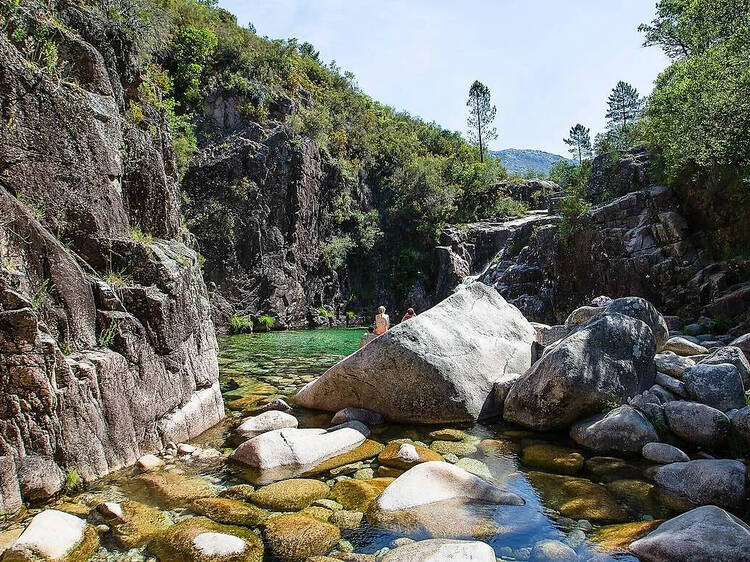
point(571, 495)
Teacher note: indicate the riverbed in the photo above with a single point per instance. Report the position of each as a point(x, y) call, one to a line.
point(571, 495)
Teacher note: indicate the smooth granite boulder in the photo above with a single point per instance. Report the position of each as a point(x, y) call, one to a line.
point(601, 364)
point(438, 367)
point(718, 386)
point(623, 429)
point(440, 550)
point(684, 485)
point(640, 308)
point(704, 533)
point(697, 423)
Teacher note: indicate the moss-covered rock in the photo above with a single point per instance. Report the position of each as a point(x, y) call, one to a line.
point(460, 448)
point(448, 434)
point(136, 524)
point(577, 498)
point(607, 469)
point(366, 450)
point(229, 511)
point(317, 512)
point(78, 509)
point(75, 540)
point(638, 495)
point(290, 495)
point(169, 489)
point(497, 447)
point(240, 492)
point(201, 540)
point(296, 537)
point(245, 403)
point(617, 538)
point(357, 495)
point(476, 467)
point(405, 455)
point(553, 458)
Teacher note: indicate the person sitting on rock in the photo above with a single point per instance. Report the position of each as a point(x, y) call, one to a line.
point(409, 314)
point(382, 322)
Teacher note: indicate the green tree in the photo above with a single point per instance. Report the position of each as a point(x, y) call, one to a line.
point(623, 105)
point(683, 28)
point(481, 115)
point(579, 140)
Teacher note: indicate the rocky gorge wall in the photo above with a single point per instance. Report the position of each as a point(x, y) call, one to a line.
point(637, 244)
point(107, 349)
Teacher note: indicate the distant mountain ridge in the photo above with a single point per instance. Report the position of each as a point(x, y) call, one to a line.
point(520, 160)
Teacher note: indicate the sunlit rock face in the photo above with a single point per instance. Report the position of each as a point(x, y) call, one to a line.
point(438, 367)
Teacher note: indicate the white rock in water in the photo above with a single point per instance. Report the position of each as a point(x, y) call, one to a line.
point(218, 544)
point(438, 367)
point(111, 510)
point(407, 453)
point(440, 550)
point(149, 462)
point(300, 447)
point(51, 535)
point(267, 421)
point(186, 449)
point(436, 481)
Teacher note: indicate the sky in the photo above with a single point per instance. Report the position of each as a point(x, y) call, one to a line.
point(549, 64)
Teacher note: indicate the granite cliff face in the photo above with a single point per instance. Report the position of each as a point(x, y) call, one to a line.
point(107, 349)
point(637, 244)
point(262, 202)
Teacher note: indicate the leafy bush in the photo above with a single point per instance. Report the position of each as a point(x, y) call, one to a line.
point(265, 321)
point(335, 252)
point(137, 235)
point(107, 336)
point(73, 482)
point(240, 324)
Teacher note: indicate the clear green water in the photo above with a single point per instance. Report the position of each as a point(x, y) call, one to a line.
point(277, 364)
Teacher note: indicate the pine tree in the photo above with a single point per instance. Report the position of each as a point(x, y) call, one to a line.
point(481, 115)
point(623, 105)
point(579, 141)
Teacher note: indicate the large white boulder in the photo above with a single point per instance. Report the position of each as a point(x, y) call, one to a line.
point(54, 535)
point(438, 367)
point(297, 449)
point(440, 550)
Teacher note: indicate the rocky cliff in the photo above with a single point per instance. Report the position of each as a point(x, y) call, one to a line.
point(262, 202)
point(107, 349)
point(638, 244)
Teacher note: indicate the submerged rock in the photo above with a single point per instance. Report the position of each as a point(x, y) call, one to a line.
point(133, 524)
point(438, 367)
point(297, 537)
point(684, 485)
point(54, 535)
point(171, 489)
point(290, 495)
point(367, 417)
point(705, 533)
point(553, 458)
point(623, 429)
point(617, 538)
point(577, 498)
point(229, 511)
point(439, 550)
point(201, 540)
point(358, 495)
point(604, 362)
point(552, 551)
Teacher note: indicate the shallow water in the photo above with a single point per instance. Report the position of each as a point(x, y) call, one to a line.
point(279, 363)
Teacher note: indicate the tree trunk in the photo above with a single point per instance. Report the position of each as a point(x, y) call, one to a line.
point(479, 133)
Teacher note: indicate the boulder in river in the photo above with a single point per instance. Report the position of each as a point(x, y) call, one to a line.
point(663, 453)
point(439, 550)
point(285, 453)
point(440, 500)
point(684, 347)
point(697, 423)
point(684, 485)
point(623, 429)
point(54, 535)
point(604, 362)
point(704, 533)
point(438, 367)
point(640, 308)
point(718, 386)
point(733, 355)
point(267, 421)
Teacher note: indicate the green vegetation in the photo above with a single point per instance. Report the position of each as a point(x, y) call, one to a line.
point(239, 324)
point(107, 336)
point(115, 279)
point(265, 321)
point(66, 347)
point(579, 140)
point(324, 312)
point(573, 179)
point(73, 481)
point(698, 116)
point(42, 295)
point(137, 235)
